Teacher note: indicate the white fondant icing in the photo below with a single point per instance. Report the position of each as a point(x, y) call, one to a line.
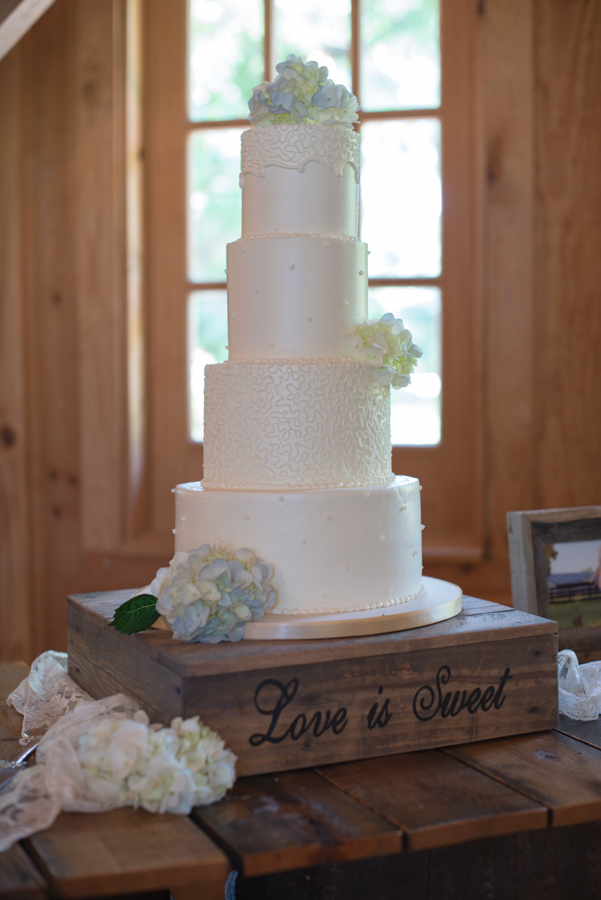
point(303, 572)
point(271, 301)
point(313, 425)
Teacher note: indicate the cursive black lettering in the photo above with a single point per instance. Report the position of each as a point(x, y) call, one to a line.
point(428, 702)
point(339, 720)
point(473, 700)
point(487, 698)
point(284, 696)
point(499, 699)
point(271, 699)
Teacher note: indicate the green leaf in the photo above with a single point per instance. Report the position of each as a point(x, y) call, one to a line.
point(136, 614)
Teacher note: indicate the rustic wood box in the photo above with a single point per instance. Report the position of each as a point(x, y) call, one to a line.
point(490, 671)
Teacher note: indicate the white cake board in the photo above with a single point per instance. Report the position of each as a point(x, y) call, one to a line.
point(441, 600)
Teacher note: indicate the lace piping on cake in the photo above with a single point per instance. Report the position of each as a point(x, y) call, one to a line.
point(211, 485)
point(316, 234)
point(322, 610)
point(293, 146)
point(297, 361)
point(314, 426)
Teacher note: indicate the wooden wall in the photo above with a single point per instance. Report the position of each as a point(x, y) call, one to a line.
point(63, 445)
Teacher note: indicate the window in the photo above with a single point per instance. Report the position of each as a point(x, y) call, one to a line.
point(420, 144)
point(394, 58)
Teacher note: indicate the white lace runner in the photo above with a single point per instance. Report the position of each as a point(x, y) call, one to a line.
point(97, 755)
point(579, 687)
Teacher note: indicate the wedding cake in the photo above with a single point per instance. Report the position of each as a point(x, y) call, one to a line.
point(297, 451)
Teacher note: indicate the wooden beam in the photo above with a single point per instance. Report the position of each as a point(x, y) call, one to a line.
point(16, 18)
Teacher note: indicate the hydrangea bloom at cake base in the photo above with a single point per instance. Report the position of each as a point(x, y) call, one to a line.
point(208, 594)
point(384, 344)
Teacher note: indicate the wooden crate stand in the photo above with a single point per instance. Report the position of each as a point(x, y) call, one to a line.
point(490, 671)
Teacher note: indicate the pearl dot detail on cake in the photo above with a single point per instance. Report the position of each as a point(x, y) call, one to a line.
point(366, 494)
point(281, 498)
point(324, 596)
point(247, 517)
point(326, 245)
point(270, 346)
point(361, 272)
point(402, 509)
point(328, 518)
point(257, 291)
point(382, 537)
point(303, 540)
point(173, 490)
point(414, 553)
point(345, 567)
point(309, 319)
point(174, 531)
point(233, 315)
point(422, 527)
point(182, 518)
point(291, 266)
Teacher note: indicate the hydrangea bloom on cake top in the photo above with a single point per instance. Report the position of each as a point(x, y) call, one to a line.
point(302, 94)
point(384, 344)
point(207, 594)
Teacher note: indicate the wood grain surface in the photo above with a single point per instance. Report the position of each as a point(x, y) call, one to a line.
point(551, 768)
point(125, 851)
point(588, 732)
point(290, 704)
point(11, 675)
point(19, 878)
point(271, 823)
point(479, 621)
point(435, 799)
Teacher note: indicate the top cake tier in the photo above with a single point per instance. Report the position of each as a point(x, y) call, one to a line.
point(300, 180)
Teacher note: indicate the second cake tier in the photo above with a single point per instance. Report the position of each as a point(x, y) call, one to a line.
point(302, 425)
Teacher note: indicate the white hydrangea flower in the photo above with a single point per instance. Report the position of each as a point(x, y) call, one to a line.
point(302, 93)
point(207, 595)
point(384, 344)
point(132, 763)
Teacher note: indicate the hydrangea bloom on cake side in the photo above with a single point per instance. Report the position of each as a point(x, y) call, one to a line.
point(384, 344)
point(302, 94)
point(207, 594)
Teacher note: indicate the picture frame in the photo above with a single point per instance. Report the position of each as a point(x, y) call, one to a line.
point(537, 539)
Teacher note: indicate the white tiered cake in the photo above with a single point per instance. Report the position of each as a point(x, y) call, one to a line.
point(297, 453)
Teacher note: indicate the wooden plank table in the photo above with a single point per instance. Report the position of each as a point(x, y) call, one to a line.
point(507, 819)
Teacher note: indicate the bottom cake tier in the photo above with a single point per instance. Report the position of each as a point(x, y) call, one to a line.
point(335, 550)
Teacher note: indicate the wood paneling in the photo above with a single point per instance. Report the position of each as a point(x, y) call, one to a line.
point(99, 211)
point(15, 567)
point(567, 299)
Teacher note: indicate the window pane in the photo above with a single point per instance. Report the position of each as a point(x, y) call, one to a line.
point(401, 197)
point(415, 410)
point(315, 30)
point(400, 61)
point(207, 337)
point(226, 57)
point(214, 200)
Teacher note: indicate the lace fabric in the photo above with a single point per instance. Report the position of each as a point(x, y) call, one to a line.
point(64, 717)
point(579, 687)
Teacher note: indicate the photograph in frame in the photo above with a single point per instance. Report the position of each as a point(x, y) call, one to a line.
point(555, 559)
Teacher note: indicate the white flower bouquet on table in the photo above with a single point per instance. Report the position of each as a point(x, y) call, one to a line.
point(205, 595)
point(302, 94)
point(384, 344)
point(97, 755)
